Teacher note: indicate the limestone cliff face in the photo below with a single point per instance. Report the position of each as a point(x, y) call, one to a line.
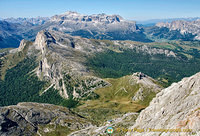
point(61, 63)
point(22, 45)
point(34, 118)
point(43, 38)
point(176, 107)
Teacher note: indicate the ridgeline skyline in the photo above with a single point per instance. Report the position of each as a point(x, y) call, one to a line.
point(128, 9)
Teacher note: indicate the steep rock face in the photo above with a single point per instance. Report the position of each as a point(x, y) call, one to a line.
point(22, 45)
point(31, 118)
point(184, 27)
point(175, 108)
point(61, 63)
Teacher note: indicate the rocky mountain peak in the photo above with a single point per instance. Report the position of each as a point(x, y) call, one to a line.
point(61, 58)
point(22, 45)
point(43, 39)
point(72, 13)
point(176, 107)
point(74, 16)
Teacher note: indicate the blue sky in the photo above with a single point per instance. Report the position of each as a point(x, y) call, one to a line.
point(129, 9)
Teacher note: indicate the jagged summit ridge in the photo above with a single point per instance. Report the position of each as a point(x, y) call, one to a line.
point(176, 107)
point(95, 18)
point(96, 25)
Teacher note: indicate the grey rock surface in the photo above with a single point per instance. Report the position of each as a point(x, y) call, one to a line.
point(147, 85)
point(175, 108)
point(62, 63)
point(25, 118)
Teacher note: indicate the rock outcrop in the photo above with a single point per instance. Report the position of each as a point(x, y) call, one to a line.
point(147, 86)
point(174, 111)
point(31, 118)
point(62, 63)
point(22, 45)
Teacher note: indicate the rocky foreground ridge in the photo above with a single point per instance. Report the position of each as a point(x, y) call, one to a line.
point(34, 118)
point(175, 109)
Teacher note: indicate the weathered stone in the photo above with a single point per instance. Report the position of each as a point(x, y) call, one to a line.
point(25, 118)
point(176, 107)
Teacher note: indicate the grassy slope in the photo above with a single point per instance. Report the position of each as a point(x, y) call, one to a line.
point(114, 100)
point(115, 97)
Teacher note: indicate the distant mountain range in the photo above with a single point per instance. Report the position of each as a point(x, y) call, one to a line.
point(192, 27)
point(100, 26)
point(169, 20)
point(96, 26)
point(10, 34)
point(31, 21)
point(97, 67)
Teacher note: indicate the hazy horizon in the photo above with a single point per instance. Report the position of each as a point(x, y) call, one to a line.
point(110, 14)
point(139, 10)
